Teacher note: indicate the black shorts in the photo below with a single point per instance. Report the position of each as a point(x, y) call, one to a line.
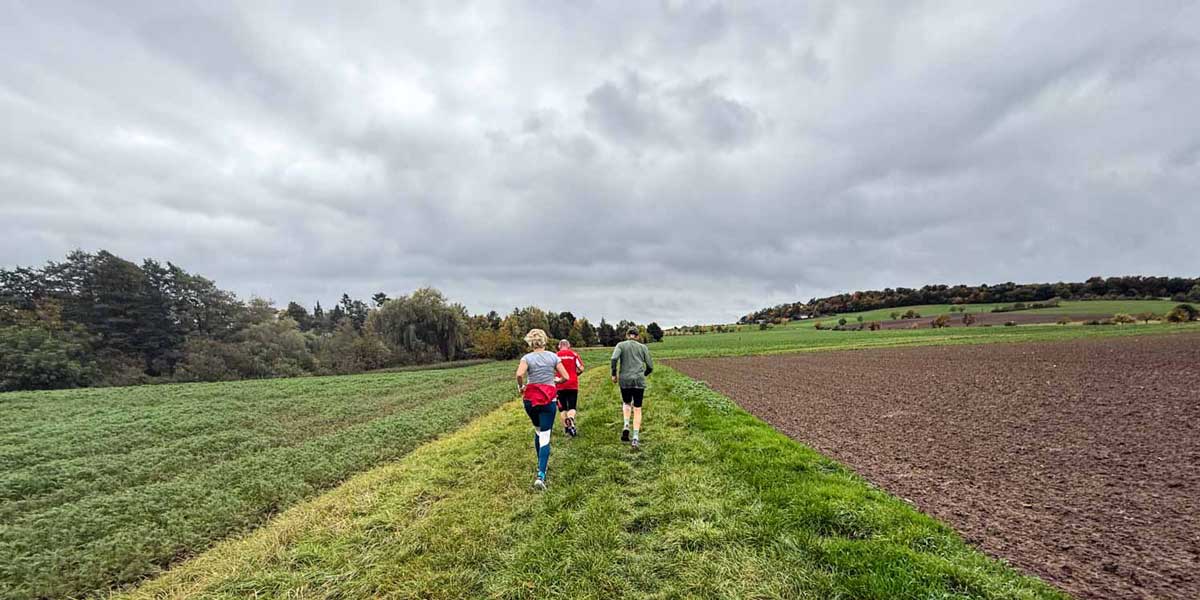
point(567, 399)
point(633, 396)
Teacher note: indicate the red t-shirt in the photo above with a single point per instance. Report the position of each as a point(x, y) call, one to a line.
point(572, 363)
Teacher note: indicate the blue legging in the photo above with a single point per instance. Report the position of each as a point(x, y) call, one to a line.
point(543, 421)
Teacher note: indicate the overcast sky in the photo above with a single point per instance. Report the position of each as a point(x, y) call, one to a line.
point(674, 161)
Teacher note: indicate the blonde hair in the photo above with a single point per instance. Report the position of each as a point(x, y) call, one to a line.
point(536, 338)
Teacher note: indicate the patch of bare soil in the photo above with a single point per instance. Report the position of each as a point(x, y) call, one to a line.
point(1075, 461)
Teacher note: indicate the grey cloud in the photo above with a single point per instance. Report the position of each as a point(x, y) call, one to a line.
point(680, 161)
point(639, 113)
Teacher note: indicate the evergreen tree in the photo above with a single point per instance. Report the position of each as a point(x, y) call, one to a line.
point(300, 315)
point(607, 335)
point(588, 332)
point(656, 332)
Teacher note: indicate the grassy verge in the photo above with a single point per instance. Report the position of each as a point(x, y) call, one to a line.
point(102, 487)
point(716, 505)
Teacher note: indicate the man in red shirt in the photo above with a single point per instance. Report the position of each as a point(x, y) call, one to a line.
point(568, 391)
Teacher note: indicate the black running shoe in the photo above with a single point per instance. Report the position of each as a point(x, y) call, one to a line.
point(624, 435)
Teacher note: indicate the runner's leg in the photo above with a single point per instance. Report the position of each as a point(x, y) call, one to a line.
point(626, 408)
point(545, 425)
point(638, 395)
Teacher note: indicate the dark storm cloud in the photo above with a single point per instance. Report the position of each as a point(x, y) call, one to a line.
point(680, 161)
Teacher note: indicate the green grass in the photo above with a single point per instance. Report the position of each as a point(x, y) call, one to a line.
point(802, 337)
point(105, 486)
point(717, 504)
point(1106, 308)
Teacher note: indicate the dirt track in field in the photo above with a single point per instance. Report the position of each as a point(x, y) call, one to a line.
point(1076, 461)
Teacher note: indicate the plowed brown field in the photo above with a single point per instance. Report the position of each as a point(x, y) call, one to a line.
point(1076, 461)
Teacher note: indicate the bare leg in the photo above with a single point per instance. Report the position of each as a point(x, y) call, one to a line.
point(625, 408)
point(637, 417)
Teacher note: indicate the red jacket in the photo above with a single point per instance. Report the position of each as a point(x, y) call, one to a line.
point(540, 393)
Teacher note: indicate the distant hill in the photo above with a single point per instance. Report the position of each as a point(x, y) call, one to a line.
point(1181, 289)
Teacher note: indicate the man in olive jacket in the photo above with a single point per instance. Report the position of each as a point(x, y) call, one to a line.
point(633, 359)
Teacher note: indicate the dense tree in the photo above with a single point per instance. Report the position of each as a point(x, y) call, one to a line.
point(422, 327)
point(39, 351)
point(493, 319)
point(334, 318)
point(354, 310)
point(607, 334)
point(656, 332)
point(1129, 287)
point(299, 314)
point(318, 316)
point(588, 333)
point(97, 319)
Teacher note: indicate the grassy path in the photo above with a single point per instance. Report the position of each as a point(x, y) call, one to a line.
point(716, 505)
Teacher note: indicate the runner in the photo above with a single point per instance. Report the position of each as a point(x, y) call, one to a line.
point(544, 370)
point(635, 364)
point(568, 391)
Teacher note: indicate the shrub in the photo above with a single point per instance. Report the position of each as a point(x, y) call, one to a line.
point(860, 318)
point(895, 315)
point(764, 326)
point(968, 319)
point(1182, 313)
point(842, 321)
point(1146, 317)
point(911, 314)
point(1123, 318)
point(941, 321)
point(1191, 311)
point(36, 357)
point(1010, 323)
point(875, 326)
point(1063, 320)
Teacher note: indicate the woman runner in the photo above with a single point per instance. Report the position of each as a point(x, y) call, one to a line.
point(544, 370)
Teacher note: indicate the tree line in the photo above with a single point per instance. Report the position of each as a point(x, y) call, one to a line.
point(1132, 287)
point(99, 320)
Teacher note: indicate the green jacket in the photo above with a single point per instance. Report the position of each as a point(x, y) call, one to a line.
point(635, 364)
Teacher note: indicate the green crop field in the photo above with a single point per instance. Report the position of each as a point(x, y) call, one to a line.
point(802, 337)
point(717, 504)
point(1066, 307)
point(105, 486)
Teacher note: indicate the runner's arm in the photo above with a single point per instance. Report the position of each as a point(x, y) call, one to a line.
point(649, 362)
point(613, 363)
point(562, 373)
point(522, 368)
point(578, 364)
